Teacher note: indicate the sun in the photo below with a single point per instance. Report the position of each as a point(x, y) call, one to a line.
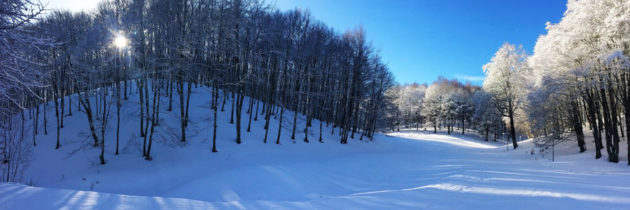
point(121, 41)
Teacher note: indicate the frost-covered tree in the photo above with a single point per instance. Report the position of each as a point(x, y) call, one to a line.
point(21, 80)
point(448, 102)
point(409, 100)
point(20, 68)
point(581, 69)
point(486, 117)
point(504, 77)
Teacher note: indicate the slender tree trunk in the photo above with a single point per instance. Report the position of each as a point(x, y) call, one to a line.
point(615, 133)
point(256, 113)
point(607, 123)
point(239, 112)
point(147, 119)
point(232, 112)
point(182, 115)
point(140, 87)
point(118, 104)
point(154, 115)
point(57, 115)
point(62, 105)
point(594, 120)
point(215, 100)
point(280, 125)
point(320, 132)
point(88, 113)
point(170, 93)
point(512, 129)
point(45, 112)
point(188, 103)
point(251, 106)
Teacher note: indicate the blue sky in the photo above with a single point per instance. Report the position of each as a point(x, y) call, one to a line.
point(422, 39)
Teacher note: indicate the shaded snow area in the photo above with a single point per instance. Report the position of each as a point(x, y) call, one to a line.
point(401, 170)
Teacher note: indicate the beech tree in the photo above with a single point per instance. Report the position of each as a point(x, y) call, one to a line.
point(503, 76)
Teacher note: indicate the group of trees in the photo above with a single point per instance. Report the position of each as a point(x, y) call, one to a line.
point(445, 103)
point(582, 75)
point(407, 101)
point(448, 103)
point(21, 75)
point(157, 49)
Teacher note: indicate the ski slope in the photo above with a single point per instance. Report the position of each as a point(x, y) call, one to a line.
point(401, 170)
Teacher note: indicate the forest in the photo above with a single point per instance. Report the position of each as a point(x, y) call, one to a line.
point(161, 48)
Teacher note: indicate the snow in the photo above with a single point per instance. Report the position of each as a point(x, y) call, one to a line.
point(400, 170)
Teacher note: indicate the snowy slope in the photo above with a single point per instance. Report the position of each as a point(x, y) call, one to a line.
point(402, 170)
point(567, 150)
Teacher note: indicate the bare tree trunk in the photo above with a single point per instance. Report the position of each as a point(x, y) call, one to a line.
point(280, 125)
point(141, 97)
point(512, 129)
point(45, 112)
point(147, 119)
point(88, 112)
point(58, 120)
point(615, 133)
point(118, 104)
point(256, 113)
point(154, 115)
point(607, 122)
point(239, 112)
point(251, 106)
point(232, 112)
point(215, 100)
point(320, 132)
point(577, 126)
point(188, 102)
point(170, 93)
point(182, 115)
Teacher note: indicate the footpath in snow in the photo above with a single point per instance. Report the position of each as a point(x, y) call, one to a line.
point(402, 170)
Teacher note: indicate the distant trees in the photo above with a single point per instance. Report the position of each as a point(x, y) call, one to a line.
point(409, 101)
point(486, 116)
point(449, 103)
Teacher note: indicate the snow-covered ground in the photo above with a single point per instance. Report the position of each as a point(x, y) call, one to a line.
point(401, 170)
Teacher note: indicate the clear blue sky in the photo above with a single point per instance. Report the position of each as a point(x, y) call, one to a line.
point(422, 39)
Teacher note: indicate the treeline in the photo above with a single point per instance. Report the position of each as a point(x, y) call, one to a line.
point(448, 104)
point(162, 48)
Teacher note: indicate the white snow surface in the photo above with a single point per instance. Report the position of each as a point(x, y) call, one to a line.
point(400, 170)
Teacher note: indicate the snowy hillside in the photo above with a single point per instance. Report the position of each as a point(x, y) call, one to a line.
point(407, 169)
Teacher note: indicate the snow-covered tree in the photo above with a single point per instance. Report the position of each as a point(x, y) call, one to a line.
point(504, 77)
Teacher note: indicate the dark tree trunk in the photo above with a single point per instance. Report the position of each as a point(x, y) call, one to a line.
point(512, 129)
point(607, 123)
point(577, 126)
point(45, 112)
point(182, 108)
